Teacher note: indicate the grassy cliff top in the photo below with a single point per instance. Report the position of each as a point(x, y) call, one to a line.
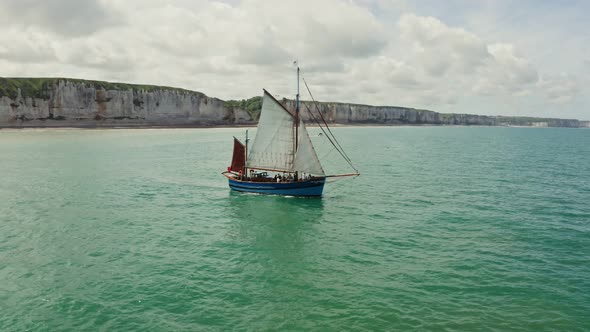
point(38, 87)
point(252, 105)
point(30, 87)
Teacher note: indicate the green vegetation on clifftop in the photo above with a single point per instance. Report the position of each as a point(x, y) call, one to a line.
point(252, 106)
point(38, 87)
point(29, 87)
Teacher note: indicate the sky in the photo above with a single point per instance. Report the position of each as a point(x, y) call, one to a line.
point(492, 57)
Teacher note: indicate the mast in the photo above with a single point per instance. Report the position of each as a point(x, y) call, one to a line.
point(246, 155)
point(297, 114)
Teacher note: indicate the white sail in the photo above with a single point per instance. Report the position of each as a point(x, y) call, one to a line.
point(306, 159)
point(274, 142)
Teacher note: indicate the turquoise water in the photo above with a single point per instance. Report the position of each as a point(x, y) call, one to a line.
point(448, 228)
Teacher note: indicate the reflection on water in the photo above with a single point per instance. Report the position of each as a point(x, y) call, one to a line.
point(281, 208)
point(274, 223)
point(278, 234)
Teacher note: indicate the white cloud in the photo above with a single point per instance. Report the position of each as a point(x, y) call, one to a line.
point(31, 46)
point(263, 51)
point(369, 51)
point(442, 65)
point(559, 89)
point(66, 17)
point(519, 70)
point(505, 72)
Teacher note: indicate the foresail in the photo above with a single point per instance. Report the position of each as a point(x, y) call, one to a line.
point(306, 159)
point(274, 142)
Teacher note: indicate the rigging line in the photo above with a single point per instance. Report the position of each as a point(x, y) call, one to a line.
point(314, 118)
point(324, 120)
point(325, 156)
point(319, 124)
point(328, 127)
point(340, 150)
point(325, 133)
point(330, 139)
point(338, 147)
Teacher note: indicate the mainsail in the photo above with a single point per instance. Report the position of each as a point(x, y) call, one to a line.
point(273, 147)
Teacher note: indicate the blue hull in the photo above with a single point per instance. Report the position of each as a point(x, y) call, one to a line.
point(305, 188)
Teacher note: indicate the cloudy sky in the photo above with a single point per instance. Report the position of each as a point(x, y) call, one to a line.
point(526, 57)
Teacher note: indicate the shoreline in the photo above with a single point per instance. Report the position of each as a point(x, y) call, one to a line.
point(334, 125)
point(86, 104)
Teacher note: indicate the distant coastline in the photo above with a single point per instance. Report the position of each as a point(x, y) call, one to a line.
point(75, 103)
point(32, 128)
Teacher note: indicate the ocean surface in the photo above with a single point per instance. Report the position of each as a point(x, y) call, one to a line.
point(447, 228)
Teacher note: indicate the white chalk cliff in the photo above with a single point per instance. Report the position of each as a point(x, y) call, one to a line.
point(84, 103)
point(34, 102)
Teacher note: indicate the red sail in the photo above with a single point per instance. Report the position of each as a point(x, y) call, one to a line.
point(238, 161)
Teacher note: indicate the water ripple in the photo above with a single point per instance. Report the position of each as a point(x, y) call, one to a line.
point(447, 229)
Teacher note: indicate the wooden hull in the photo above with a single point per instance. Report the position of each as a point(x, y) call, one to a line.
point(313, 187)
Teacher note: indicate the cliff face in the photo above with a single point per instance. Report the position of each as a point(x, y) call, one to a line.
point(61, 102)
point(389, 115)
point(30, 102)
point(394, 115)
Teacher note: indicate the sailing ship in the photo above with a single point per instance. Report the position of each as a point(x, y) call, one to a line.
point(282, 159)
